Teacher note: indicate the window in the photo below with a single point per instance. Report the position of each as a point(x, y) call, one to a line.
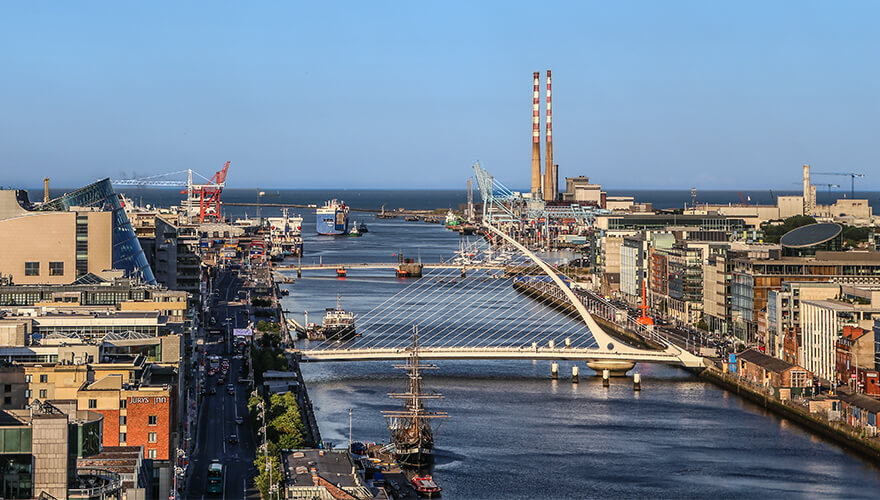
point(151, 454)
point(122, 420)
point(122, 403)
point(122, 437)
point(152, 420)
point(44, 379)
point(7, 400)
point(151, 437)
point(28, 378)
point(27, 393)
point(93, 403)
point(56, 269)
point(31, 268)
point(7, 387)
point(43, 394)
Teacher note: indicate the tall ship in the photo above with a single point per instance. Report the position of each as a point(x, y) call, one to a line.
point(412, 430)
point(332, 218)
point(285, 236)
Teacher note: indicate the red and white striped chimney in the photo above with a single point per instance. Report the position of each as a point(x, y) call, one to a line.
point(549, 188)
point(536, 136)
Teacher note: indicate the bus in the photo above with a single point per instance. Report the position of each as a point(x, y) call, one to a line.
point(215, 478)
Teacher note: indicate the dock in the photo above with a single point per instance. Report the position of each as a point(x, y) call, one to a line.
point(397, 484)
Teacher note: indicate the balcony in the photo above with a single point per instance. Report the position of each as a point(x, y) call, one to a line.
point(94, 483)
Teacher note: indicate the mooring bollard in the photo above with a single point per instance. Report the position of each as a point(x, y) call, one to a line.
point(637, 382)
point(574, 374)
point(554, 371)
point(605, 378)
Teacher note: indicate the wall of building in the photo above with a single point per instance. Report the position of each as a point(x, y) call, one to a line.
point(50, 453)
point(51, 237)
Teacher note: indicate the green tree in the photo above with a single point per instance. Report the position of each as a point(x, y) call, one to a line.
point(261, 481)
point(773, 232)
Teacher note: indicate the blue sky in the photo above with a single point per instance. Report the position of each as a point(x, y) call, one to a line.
point(408, 94)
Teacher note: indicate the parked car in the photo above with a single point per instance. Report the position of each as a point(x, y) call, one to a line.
point(230, 389)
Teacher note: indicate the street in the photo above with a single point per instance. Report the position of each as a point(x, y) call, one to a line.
point(217, 415)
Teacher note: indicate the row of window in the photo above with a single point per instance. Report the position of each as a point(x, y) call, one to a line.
point(33, 269)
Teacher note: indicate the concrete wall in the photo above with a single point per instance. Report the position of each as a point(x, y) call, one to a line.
point(51, 237)
point(50, 455)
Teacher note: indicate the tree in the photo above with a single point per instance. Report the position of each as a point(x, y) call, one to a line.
point(261, 481)
point(773, 232)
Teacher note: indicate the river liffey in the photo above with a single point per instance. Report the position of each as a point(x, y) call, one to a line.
point(515, 433)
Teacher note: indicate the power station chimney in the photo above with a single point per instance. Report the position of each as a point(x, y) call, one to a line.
point(536, 137)
point(549, 188)
point(809, 200)
point(46, 190)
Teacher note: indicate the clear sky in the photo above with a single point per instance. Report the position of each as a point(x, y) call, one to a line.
point(650, 94)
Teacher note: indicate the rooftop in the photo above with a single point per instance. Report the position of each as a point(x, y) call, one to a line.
point(810, 235)
point(768, 363)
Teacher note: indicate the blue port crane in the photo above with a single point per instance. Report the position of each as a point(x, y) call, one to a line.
point(852, 176)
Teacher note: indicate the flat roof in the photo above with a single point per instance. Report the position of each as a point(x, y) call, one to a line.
point(334, 466)
point(811, 235)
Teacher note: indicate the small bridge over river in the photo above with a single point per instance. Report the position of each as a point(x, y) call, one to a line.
point(528, 311)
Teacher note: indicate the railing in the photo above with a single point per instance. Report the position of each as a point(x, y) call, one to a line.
point(596, 306)
point(112, 483)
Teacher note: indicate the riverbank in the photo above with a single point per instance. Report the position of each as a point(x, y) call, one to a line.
point(842, 434)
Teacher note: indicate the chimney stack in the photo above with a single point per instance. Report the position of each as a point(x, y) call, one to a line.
point(46, 190)
point(536, 137)
point(549, 188)
point(809, 200)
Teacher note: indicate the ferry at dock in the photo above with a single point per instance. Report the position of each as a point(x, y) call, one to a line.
point(332, 218)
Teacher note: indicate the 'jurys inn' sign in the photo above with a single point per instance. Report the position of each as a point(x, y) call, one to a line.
point(137, 400)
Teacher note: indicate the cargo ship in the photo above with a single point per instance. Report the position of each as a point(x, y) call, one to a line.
point(285, 236)
point(338, 324)
point(332, 218)
point(412, 434)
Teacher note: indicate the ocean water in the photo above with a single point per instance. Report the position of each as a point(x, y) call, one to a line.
point(427, 199)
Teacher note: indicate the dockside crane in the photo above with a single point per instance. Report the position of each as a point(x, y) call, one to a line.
point(204, 196)
point(851, 175)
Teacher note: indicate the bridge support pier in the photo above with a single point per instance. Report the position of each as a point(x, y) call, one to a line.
point(574, 374)
point(637, 382)
point(617, 368)
point(554, 371)
point(605, 381)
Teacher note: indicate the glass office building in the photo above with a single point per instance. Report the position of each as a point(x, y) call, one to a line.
point(127, 252)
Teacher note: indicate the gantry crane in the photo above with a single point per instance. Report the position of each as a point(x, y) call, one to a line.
point(204, 196)
point(852, 176)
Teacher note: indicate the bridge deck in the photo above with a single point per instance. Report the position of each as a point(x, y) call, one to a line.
point(386, 265)
point(525, 352)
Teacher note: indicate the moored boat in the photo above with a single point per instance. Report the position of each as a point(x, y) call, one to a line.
point(425, 486)
point(412, 434)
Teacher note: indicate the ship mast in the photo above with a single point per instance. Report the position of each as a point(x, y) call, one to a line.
point(414, 411)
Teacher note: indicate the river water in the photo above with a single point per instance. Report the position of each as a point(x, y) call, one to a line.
point(514, 433)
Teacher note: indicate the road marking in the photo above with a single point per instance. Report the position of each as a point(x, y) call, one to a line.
point(243, 487)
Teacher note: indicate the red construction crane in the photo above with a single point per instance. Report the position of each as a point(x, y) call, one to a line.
point(205, 196)
point(209, 195)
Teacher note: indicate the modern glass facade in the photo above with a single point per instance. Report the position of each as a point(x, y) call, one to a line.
point(127, 252)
